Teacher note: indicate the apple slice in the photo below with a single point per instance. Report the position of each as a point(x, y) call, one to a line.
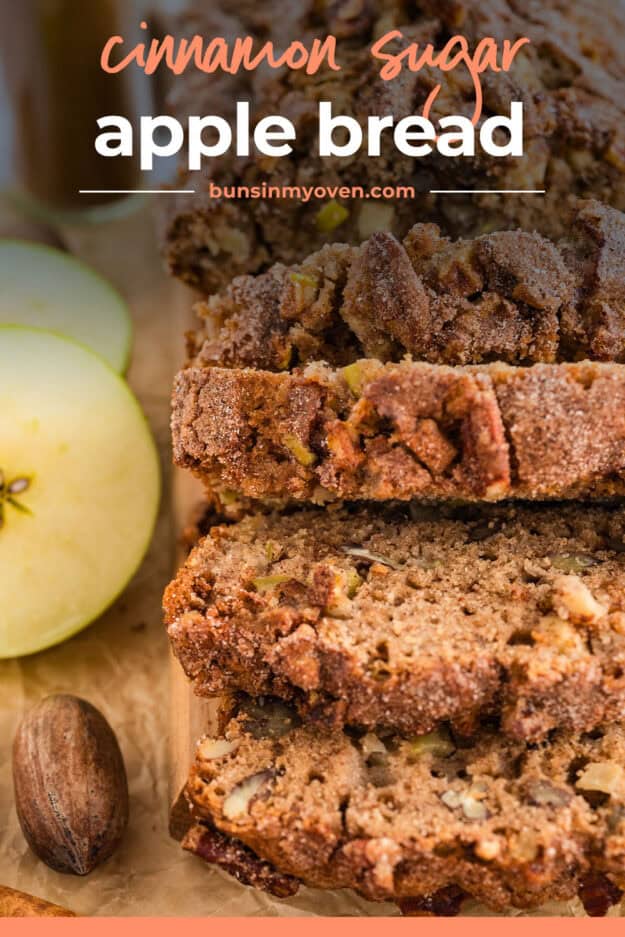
point(79, 488)
point(45, 288)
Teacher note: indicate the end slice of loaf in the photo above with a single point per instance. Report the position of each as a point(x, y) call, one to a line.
point(510, 296)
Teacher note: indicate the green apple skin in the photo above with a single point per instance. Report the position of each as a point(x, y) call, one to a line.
point(71, 427)
point(43, 287)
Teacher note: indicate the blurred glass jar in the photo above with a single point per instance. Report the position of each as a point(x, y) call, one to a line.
point(52, 91)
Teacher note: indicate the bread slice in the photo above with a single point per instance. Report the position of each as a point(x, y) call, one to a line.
point(510, 296)
point(403, 431)
point(401, 619)
point(508, 823)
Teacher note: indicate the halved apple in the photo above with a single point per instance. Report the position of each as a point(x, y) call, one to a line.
point(45, 288)
point(79, 488)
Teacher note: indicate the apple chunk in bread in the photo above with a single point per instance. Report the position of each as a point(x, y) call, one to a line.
point(79, 488)
point(44, 288)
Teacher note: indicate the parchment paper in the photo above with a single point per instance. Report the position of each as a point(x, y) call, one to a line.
point(120, 664)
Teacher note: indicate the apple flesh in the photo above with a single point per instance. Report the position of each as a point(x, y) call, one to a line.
point(42, 287)
point(79, 488)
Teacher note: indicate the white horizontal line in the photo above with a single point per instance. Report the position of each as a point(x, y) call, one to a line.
point(487, 191)
point(136, 191)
